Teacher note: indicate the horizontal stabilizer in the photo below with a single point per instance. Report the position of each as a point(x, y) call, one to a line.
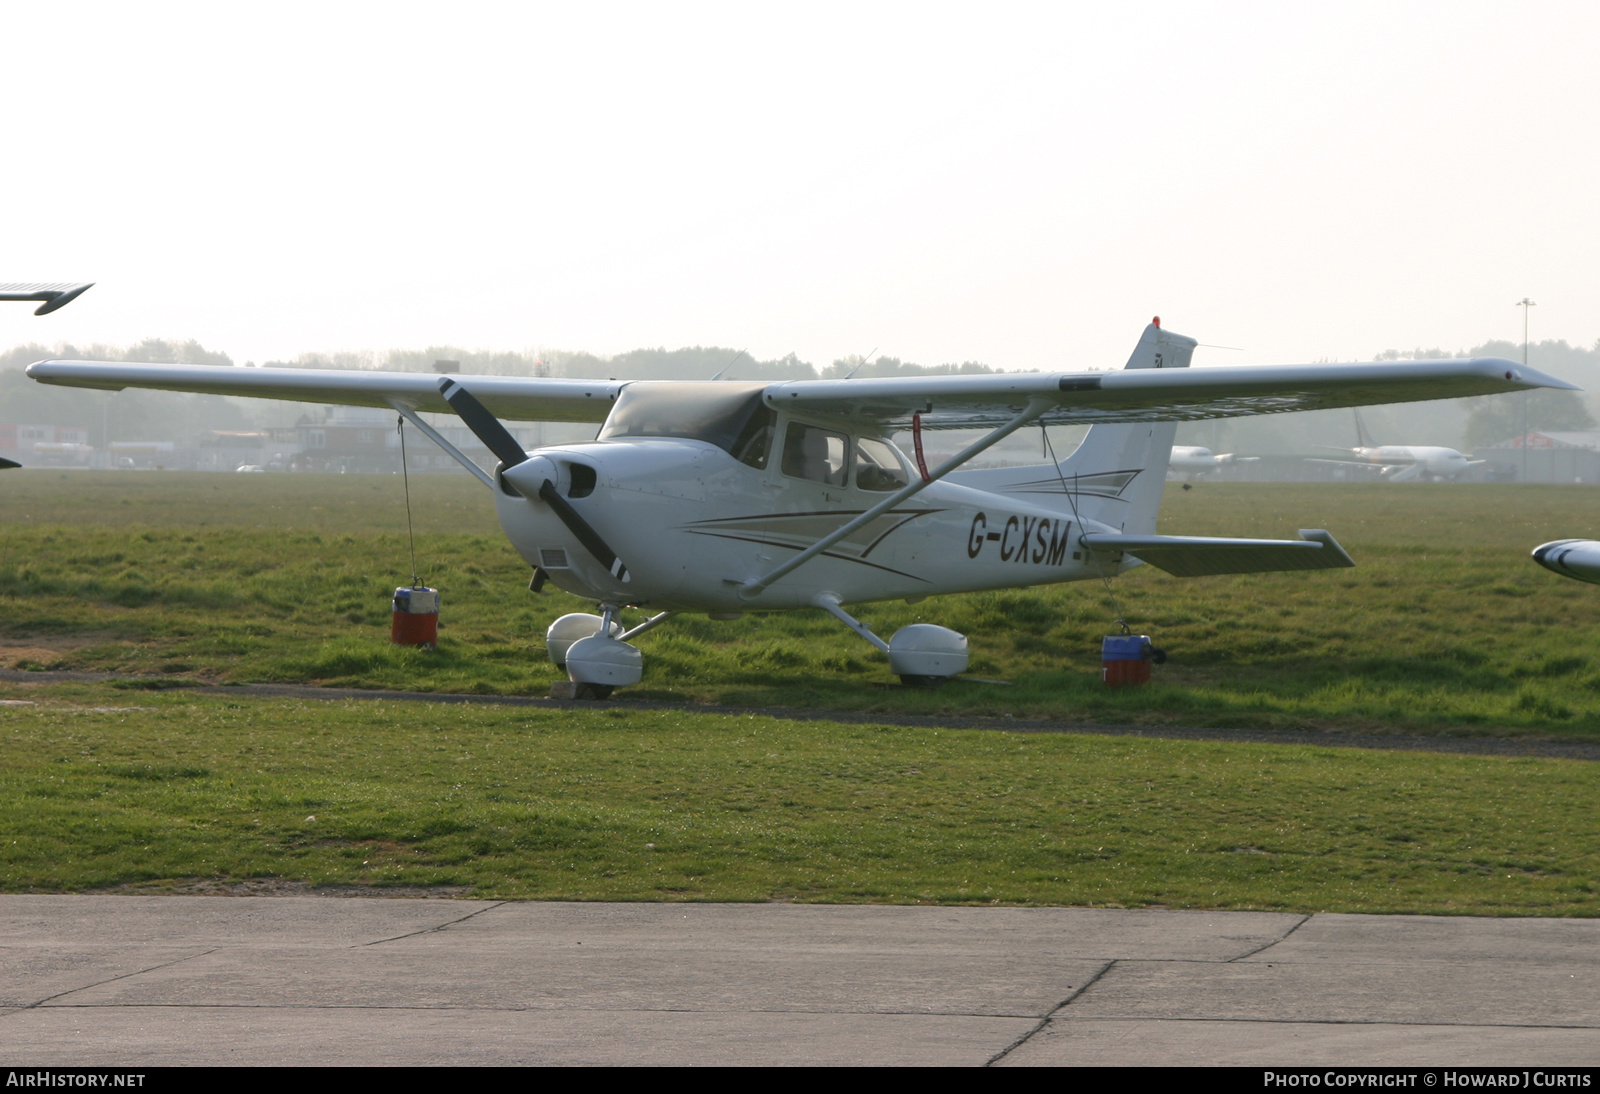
point(1202, 556)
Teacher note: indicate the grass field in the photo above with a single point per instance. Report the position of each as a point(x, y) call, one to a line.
point(624, 804)
point(1445, 626)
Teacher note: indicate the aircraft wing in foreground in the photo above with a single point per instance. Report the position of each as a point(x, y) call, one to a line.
point(50, 296)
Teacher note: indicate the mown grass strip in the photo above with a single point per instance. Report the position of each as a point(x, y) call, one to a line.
point(631, 805)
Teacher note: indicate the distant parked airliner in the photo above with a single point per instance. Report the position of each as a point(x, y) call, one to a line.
point(1190, 461)
point(1402, 462)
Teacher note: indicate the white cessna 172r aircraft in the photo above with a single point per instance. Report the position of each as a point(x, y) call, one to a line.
point(727, 497)
point(1403, 462)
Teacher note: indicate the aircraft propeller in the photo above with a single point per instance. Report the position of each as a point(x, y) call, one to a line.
point(485, 426)
point(498, 439)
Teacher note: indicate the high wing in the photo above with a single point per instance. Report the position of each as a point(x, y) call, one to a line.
point(517, 398)
point(1156, 394)
point(1144, 392)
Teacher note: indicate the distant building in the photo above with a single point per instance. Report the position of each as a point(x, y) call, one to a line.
point(229, 450)
point(46, 445)
point(364, 439)
point(1551, 457)
point(143, 455)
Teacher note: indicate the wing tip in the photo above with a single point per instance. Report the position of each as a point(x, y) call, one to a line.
point(1325, 537)
point(62, 299)
point(1523, 376)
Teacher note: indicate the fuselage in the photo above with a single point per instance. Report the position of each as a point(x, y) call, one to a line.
point(1195, 460)
point(693, 524)
point(1428, 460)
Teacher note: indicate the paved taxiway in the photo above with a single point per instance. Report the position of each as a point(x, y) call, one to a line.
point(134, 980)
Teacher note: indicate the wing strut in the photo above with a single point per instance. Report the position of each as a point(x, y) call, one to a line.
point(1034, 410)
point(437, 438)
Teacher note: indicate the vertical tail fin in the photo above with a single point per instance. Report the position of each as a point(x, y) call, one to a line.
point(1117, 475)
point(1161, 349)
point(1363, 438)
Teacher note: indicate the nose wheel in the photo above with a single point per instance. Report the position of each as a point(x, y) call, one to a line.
point(594, 651)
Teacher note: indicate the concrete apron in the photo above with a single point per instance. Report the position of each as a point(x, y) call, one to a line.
point(135, 980)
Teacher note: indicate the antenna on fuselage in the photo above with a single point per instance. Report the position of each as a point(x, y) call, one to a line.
point(861, 362)
point(729, 365)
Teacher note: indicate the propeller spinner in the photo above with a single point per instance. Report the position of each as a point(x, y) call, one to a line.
point(533, 482)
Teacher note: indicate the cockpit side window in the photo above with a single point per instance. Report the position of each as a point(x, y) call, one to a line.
point(754, 444)
point(820, 455)
point(877, 466)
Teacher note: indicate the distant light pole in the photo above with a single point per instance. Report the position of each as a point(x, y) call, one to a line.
point(1524, 304)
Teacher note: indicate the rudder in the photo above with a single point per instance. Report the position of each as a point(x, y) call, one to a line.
point(1117, 475)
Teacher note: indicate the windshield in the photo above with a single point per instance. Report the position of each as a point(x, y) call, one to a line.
point(729, 415)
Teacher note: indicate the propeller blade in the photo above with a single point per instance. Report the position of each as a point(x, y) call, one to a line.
point(497, 439)
point(579, 527)
point(485, 426)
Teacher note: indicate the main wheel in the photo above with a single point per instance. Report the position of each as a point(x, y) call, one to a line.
point(908, 681)
point(595, 691)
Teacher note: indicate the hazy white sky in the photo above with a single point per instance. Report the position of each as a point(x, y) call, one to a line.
point(1020, 184)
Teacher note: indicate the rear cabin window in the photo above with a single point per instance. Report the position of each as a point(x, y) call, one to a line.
point(821, 455)
point(732, 416)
